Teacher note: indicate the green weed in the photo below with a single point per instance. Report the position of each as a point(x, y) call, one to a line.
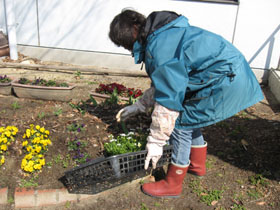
point(80, 106)
point(254, 193)
point(144, 207)
point(57, 112)
point(209, 196)
point(11, 200)
point(257, 180)
point(41, 115)
point(29, 183)
point(15, 105)
point(238, 207)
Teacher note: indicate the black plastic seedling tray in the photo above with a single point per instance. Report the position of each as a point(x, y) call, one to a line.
point(104, 173)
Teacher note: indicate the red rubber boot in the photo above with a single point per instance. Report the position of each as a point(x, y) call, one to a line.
point(171, 186)
point(198, 160)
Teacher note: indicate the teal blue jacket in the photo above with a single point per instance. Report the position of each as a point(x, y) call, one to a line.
point(197, 73)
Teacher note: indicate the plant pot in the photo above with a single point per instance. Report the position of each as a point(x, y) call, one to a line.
point(104, 173)
point(42, 92)
point(102, 97)
point(4, 51)
point(6, 88)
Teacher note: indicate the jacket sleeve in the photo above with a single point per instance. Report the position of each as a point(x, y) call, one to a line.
point(170, 80)
point(147, 100)
point(163, 123)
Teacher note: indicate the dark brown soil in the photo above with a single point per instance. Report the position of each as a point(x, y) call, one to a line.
point(242, 163)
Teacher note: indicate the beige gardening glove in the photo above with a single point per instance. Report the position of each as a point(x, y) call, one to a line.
point(163, 123)
point(130, 111)
point(155, 149)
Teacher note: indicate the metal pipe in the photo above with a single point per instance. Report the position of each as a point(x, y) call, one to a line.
point(11, 28)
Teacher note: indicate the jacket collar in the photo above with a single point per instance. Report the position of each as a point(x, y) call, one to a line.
point(140, 45)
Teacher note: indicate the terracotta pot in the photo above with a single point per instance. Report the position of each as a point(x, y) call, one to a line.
point(42, 92)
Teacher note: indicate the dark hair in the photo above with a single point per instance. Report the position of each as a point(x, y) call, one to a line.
point(121, 28)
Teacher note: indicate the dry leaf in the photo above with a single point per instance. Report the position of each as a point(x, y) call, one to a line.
point(213, 203)
point(261, 203)
point(244, 142)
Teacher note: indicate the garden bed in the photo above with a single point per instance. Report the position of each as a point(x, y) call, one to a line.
point(242, 161)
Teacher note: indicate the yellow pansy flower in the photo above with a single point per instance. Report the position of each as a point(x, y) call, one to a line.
point(8, 133)
point(38, 149)
point(42, 129)
point(42, 162)
point(4, 147)
point(38, 166)
point(24, 143)
point(23, 162)
point(2, 161)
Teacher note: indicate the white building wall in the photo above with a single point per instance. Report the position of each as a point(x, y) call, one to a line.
point(76, 31)
point(258, 32)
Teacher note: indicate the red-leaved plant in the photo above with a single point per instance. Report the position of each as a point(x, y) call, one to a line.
point(121, 90)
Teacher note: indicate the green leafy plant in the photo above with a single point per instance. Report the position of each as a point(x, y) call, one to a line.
point(76, 127)
point(80, 106)
point(144, 207)
point(41, 115)
point(15, 105)
point(78, 74)
point(125, 143)
point(238, 207)
point(11, 200)
point(254, 193)
point(77, 147)
point(113, 98)
point(5, 79)
point(42, 82)
point(208, 196)
point(32, 182)
point(57, 112)
point(92, 100)
point(258, 179)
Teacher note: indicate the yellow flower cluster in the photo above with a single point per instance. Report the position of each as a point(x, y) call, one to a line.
point(7, 136)
point(35, 143)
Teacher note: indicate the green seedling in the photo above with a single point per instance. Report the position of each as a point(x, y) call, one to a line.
point(79, 106)
point(78, 74)
point(209, 196)
point(144, 207)
point(124, 127)
point(238, 207)
point(258, 180)
point(196, 187)
point(92, 100)
point(29, 183)
point(15, 105)
point(41, 115)
point(57, 112)
point(254, 193)
point(11, 200)
point(113, 98)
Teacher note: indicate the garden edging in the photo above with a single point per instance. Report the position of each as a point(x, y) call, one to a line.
point(30, 198)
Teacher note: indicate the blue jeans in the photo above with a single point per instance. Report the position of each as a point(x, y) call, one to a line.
point(182, 140)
